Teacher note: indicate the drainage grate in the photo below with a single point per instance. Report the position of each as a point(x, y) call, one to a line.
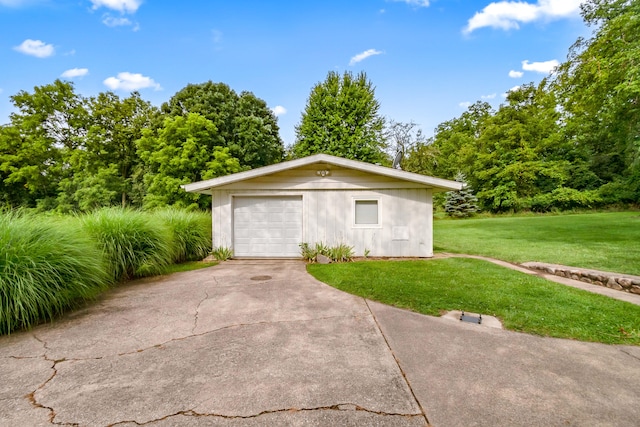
point(261, 278)
point(471, 318)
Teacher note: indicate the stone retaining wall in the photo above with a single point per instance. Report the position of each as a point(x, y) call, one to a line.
point(621, 282)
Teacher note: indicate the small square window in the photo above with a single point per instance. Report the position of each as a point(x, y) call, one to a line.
point(366, 212)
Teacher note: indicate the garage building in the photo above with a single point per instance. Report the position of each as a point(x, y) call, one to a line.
point(267, 212)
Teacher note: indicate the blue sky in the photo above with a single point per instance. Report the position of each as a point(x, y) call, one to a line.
point(428, 59)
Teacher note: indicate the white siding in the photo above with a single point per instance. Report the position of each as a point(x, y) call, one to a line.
point(405, 221)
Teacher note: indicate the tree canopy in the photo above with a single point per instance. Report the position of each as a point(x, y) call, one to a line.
point(243, 123)
point(67, 152)
point(342, 118)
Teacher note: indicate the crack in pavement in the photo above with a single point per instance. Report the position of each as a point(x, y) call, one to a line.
point(344, 407)
point(195, 320)
point(238, 325)
point(629, 354)
point(44, 343)
point(31, 397)
point(24, 357)
point(245, 282)
point(404, 375)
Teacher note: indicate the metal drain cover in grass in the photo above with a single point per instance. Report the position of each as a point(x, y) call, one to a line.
point(261, 278)
point(471, 318)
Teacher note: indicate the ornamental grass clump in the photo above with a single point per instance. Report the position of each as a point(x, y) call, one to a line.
point(47, 265)
point(338, 253)
point(191, 232)
point(134, 243)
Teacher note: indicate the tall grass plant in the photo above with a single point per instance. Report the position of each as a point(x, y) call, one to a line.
point(47, 265)
point(133, 243)
point(191, 233)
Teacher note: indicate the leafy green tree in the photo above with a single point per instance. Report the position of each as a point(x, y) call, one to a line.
point(455, 143)
point(423, 157)
point(342, 118)
point(183, 150)
point(12, 191)
point(49, 124)
point(256, 139)
point(599, 89)
point(106, 169)
point(243, 123)
point(520, 150)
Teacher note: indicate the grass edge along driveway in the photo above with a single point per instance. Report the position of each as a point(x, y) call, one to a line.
point(522, 302)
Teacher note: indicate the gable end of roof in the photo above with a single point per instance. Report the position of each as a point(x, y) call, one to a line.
point(429, 181)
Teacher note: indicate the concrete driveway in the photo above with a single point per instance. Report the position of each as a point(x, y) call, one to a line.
point(263, 343)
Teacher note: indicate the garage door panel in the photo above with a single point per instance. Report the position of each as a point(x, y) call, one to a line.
point(276, 234)
point(243, 216)
point(267, 226)
point(259, 217)
point(259, 234)
point(292, 234)
point(276, 217)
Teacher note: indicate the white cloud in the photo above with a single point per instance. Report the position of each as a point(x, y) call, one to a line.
point(122, 6)
point(490, 96)
point(515, 74)
point(508, 15)
point(110, 21)
point(130, 81)
point(36, 48)
point(279, 110)
point(417, 3)
point(540, 67)
point(465, 104)
point(364, 55)
point(75, 72)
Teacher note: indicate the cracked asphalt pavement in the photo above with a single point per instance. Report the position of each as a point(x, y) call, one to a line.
point(263, 343)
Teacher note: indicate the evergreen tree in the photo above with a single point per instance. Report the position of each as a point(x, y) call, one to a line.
point(463, 203)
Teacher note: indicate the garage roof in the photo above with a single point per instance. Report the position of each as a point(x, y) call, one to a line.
point(429, 181)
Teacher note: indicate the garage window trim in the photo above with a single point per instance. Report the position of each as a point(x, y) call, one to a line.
point(366, 213)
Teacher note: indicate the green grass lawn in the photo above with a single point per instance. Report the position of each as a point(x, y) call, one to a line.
point(524, 303)
point(602, 241)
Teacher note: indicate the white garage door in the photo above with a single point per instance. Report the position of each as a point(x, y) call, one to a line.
point(267, 226)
